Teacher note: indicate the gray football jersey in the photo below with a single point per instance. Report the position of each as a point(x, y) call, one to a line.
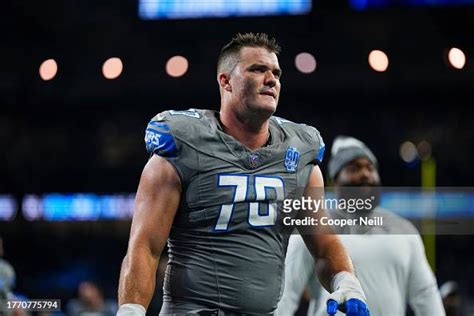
point(227, 244)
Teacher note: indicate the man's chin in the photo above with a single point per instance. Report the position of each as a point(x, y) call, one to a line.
point(264, 109)
point(267, 107)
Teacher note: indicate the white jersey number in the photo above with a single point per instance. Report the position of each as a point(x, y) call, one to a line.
point(241, 192)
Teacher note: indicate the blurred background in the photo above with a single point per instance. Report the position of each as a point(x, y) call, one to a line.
point(79, 80)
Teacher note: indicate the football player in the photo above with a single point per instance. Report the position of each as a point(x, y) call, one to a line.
point(211, 190)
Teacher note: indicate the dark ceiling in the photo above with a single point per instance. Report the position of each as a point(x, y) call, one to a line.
point(80, 132)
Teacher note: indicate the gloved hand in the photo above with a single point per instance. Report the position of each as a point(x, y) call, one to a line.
point(348, 296)
point(352, 307)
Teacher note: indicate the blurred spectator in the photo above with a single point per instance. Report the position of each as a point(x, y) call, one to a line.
point(7, 279)
point(7, 283)
point(91, 302)
point(389, 260)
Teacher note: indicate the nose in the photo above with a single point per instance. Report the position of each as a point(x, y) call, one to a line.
point(270, 79)
point(366, 174)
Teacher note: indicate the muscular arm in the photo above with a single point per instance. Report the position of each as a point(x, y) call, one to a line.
point(156, 203)
point(326, 248)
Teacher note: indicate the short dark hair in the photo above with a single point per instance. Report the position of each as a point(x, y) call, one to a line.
point(230, 52)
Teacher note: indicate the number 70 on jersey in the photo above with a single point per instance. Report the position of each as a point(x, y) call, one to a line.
point(241, 187)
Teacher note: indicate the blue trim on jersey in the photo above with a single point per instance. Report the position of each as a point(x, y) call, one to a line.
point(320, 155)
point(160, 143)
point(161, 125)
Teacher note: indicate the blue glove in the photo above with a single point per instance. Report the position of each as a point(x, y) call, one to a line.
point(352, 307)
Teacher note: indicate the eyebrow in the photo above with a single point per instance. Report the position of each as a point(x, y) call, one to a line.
point(276, 71)
point(363, 164)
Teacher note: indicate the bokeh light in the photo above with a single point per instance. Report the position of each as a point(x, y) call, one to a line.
point(378, 60)
point(408, 152)
point(48, 69)
point(112, 68)
point(456, 58)
point(177, 66)
point(305, 62)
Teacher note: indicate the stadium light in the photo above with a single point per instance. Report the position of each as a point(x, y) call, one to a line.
point(48, 69)
point(456, 58)
point(112, 68)
point(305, 62)
point(424, 150)
point(177, 66)
point(408, 152)
point(378, 60)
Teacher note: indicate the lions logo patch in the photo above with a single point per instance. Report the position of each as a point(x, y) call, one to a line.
point(292, 158)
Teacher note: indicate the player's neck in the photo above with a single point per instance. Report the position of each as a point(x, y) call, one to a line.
point(250, 133)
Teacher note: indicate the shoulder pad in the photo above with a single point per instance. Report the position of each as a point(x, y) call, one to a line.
point(317, 140)
point(308, 134)
point(161, 131)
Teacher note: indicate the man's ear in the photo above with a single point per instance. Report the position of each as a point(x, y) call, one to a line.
point(224, 81)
